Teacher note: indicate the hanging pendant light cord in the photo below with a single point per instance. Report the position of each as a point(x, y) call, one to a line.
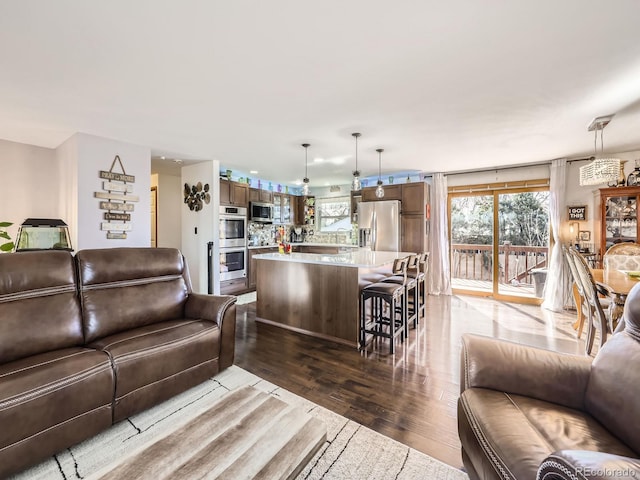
point(379, 163)
point(356, 153)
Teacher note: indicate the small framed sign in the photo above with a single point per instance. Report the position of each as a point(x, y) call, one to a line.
point(578, 213)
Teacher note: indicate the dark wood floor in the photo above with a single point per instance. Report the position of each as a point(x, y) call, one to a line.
point(410, 396)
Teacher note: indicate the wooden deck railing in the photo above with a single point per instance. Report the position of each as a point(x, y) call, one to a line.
point(474, 262)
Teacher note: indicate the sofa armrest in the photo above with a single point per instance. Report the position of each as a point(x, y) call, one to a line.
point(587, 465)
point(522, 370)
point(221, 310)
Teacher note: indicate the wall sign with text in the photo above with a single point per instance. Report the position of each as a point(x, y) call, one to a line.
point(578, 213)
point(117, 193)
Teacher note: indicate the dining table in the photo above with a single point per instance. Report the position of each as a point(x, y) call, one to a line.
point(617, 284)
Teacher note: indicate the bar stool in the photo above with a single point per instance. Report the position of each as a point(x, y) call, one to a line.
point(410, 281)
point(388, 309)
point(423, 265)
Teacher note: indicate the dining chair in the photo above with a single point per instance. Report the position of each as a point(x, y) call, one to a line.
point(622, 256)
point(596, 312)
point(578, 282)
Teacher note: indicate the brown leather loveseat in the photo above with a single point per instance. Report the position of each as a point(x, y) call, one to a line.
point(87, 341)
point(526, 413)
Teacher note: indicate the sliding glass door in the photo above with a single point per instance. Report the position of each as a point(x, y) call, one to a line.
point(472, 242)
point(499, 240)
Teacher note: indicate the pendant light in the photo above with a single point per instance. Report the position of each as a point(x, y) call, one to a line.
point(305, 182)
point(355, 184)
point(379, 189)
point(602, 169)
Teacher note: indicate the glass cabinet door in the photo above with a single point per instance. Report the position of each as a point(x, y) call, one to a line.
point(277, 215)
point(621, 219)
point(286, 209)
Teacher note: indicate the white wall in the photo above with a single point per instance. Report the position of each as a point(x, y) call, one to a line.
point(29, 184)
point(82, 157)
point(198, 227)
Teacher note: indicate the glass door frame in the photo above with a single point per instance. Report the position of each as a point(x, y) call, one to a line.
point(496, 189)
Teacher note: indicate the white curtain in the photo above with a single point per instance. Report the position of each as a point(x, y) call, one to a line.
point(557, 283)
point(440, 277)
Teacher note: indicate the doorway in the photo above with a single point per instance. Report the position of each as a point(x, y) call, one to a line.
point(500, 239)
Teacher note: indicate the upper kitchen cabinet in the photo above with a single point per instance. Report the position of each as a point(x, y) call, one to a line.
point(283, 211)
point(391, 192)
point(414, 198)
point(234, 193)
point(259, 195)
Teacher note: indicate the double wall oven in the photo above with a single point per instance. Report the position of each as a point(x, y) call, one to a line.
point(233, 243)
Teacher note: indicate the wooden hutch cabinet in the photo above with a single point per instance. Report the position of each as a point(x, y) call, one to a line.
point(618, 216)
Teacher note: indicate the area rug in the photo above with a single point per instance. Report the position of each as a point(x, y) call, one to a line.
point(351, 451)
point(246, 298)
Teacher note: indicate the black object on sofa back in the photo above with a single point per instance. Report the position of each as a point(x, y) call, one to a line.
point(39, 308)
point(156, 288)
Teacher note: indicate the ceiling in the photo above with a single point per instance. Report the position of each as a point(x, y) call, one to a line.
point(442, 86)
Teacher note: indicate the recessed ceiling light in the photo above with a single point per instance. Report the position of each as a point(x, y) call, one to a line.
point(162, 157)
point(297, 182)
point(178, 161)
point(253, 172)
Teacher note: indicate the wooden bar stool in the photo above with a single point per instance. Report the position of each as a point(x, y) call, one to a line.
point(423, 270)
point(411, 294)
point(388, 316)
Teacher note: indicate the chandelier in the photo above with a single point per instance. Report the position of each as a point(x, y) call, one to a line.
point(600, 170)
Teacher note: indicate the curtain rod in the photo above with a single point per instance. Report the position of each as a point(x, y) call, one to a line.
point(496, 169)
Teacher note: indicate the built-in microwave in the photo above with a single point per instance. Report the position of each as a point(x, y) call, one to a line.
point(261, 212)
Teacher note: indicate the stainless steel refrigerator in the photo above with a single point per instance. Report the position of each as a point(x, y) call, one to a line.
point(379, 225)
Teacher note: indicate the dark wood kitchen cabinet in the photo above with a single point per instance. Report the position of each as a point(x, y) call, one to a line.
point(234, 193)
point(253, 273)
point(260, 195)
point(391, 192)
point(414, 198)
point(413, 236)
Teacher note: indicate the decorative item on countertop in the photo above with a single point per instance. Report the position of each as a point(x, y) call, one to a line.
point(7, 246)
point(390, 180)
point(196, 196)
point(621, 180)
point(228, 172)
point(270, 187)
point(634, 177)
point(119, 183)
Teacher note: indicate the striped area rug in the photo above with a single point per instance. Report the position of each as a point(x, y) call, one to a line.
point(351, 451)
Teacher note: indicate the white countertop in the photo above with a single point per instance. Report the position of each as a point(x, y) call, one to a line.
point(362, 258)
point(306, 244)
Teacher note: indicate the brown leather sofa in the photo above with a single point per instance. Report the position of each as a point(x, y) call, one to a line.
point(87, 341)
point(526, 413)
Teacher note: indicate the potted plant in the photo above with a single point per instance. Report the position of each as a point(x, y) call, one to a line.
point(6, 246)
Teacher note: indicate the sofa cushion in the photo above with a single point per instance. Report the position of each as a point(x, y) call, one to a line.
point(145, 357)
point(613, 391)
point(42, 391)
point(127, 288)
point(39, 308)
point(517, 433)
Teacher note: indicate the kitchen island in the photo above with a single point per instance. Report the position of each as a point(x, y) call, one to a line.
point(316, 294)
